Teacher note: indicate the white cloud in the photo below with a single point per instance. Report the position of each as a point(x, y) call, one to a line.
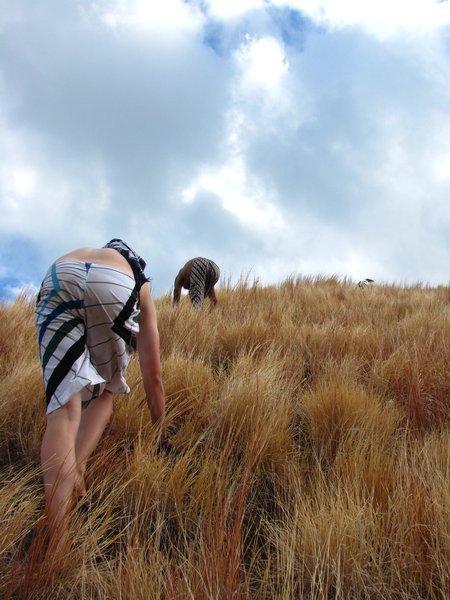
point(262, 65)
point(168, 17)
point(263, 62)
point(441, 167)
point(263, 91)
point(382, 18)
point(231, 9)
point(240, 193)
point(33, 192)
point(23, 180)
point(180, 126)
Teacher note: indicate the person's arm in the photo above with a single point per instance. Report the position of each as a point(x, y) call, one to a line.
point(182, 280)
point(212, 295)
point(177, 288)
point(149, 358)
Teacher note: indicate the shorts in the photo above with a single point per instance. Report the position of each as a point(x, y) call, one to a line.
point(86, 321)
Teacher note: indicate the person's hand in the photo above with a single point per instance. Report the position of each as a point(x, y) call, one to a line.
point(165, 445)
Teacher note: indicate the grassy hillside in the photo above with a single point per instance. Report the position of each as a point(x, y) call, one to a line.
point(310, 421)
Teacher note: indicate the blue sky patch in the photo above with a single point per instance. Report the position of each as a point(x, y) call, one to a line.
point(19, 266)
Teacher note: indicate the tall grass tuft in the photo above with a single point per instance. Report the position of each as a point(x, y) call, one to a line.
point(310, 423)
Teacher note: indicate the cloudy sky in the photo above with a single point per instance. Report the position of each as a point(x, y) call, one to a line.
point(277, 137)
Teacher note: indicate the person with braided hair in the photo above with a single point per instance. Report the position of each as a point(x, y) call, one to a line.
point(199, 276)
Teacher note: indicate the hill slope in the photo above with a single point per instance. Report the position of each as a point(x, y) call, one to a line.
point(312, 453)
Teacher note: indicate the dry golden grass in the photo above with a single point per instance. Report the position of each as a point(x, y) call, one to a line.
point(311, 426)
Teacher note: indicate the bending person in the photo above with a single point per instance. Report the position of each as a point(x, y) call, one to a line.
point(93, 309)
point(199, 276)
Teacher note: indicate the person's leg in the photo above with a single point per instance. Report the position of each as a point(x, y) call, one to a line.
point(58, 461)
point(94, 419)
point(212, 296)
